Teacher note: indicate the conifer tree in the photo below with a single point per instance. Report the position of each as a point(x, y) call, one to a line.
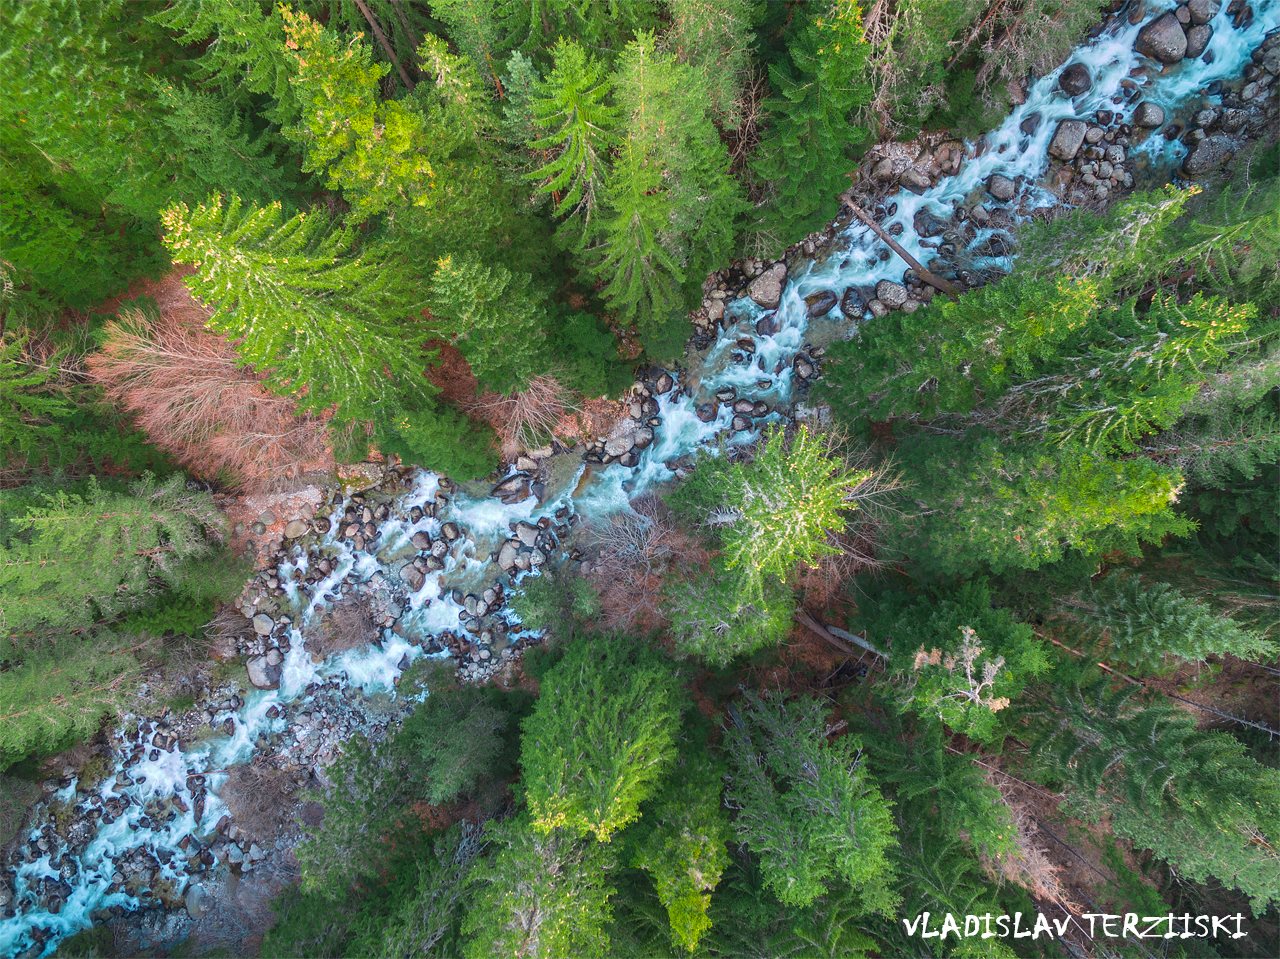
point(542, 894)
point(806, 806)
point(715, 38)
point(62, 691)
point(1194, 798)
point(323, 322)
point(74, 558)
point(600, 739)
point(1145, 624)
point(577, 128)
point(28, 409)
point(371, 149)
point(803, 155)
point(713, 618)
point(494, 317)
point(684, 850)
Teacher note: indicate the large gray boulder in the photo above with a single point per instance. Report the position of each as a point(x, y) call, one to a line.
point(766, 289)
point(1148, 114)
point(1001, 187)
point(1162, 39)
point(1207, 155)
point(263, 674)
point(891, 294)
point(1198, 38)
point(1202, 11)
point(1067, 139)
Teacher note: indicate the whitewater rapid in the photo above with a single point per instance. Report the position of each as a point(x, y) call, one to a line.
point(160, 801)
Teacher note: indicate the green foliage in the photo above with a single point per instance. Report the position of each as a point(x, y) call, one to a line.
point(587, 356)
point(684, 849)
point(1145, 624)
point(713, 619)
point(72, 558)
point(804, 152)
point(61, 692)
point(671, 205)
point(543, 893)
point(601, 737)
point(497, 319)
point(556, 600)
point(715, 37)
point(533, 25)
point(438, 438)
point(370, 149)
point(941, 677)
point(28, 409)
point(401, 23)
point(984, 503)
point(776, 510)
point(188, 606)
point(323, 322)
point(1194, 798)
point(577, 126)
point(806, 805)
point(452, 745)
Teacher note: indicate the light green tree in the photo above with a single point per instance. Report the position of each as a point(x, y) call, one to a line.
point(716, 37)
point(806, 805)
point(541, 894)
point(324, 322)
point(601, 737)
point(712, 618)
point(70, 559)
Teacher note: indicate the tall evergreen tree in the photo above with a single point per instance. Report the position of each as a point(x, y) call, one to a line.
point(715, 37)
point(28, 407)
point(577, 128)
point(324, 322)
point(71, 559)
point(600, 739)
point(804, 153)
point(806, 806)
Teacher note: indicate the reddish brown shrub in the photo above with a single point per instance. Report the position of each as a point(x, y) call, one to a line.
point(186, 392)
point(530, 418)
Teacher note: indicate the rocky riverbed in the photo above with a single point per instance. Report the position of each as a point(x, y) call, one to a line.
point(183, 823)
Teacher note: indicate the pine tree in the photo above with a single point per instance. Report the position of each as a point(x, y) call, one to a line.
point(476, 28)
point(684, 850)
point(806, 805)
point(534, 25)
point(542, 894)
point(241, 42)
point(959, 659)
point(28, 409)
point(371, 149)
point(715, 38)
point(61, 692)
point(323, 322)
point(1194, 798)
point(983, 502)
point(671, 204)
point(577, 128)
point(711, 617)
point(600, 739)
point(75, 558)
point(803, 155)
point(495, 318)
point(1145, 624)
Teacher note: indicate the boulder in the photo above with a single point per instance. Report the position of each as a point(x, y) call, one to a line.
point(1067, 139)
point(1075, 80)
point(851, 304)
point(1001, 187)
point(1198, 38)
point(527, 534)
point(1202, 11)
point(741, 423)
point(766, 289)
point(664, 384)
point(891, 294)
point(914, 180)
point(617, 445)
point(421, 540)
point(296, 528)
point(1031, 124)
point(262, 674)
point(450, 531)
point(513, 489)
point(263, 624)
point(508, 554)
point(819, 304)
point(413, 577)
point(1148, 114)
point(706, 412)
point(1163, 39)
point(804, 369)
point(1208, 155)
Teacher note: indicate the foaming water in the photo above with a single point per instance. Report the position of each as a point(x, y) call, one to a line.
point(160, 802)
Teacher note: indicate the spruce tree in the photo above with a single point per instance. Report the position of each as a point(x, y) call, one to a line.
point(323, 321)
point(804, 152)
point(541, 894)
point(495, 318)
point(73, 558)
point(371, 149)
point(600, 739)
point(712, 617)
point(28, 407)
point(577, 128)
point(715, 37)
point(1147, 624)
point(806, 805)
